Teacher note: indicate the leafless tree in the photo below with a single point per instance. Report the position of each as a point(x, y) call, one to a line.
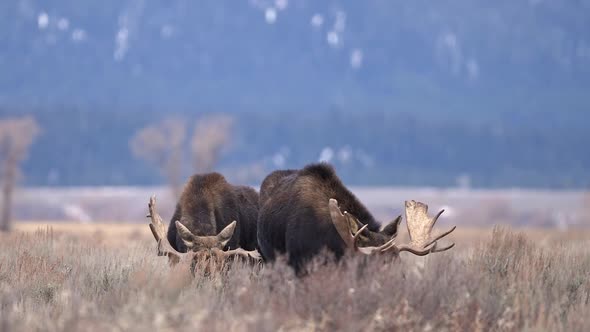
point(210, 136)
point(16, 137)
point(162, 145)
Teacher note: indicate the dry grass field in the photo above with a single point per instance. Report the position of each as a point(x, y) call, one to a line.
point(67, 277)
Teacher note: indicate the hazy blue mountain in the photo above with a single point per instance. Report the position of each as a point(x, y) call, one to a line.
point(418, 92)
point(439, 57)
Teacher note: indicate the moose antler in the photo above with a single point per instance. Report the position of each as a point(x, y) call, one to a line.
point(422, 242)
point(419, 227)
point(159, 231)
point(239, 252)
point(165, 248)
point(342, 222)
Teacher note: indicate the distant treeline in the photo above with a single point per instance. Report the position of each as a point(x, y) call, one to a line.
point(392, 92)
point(91, 147)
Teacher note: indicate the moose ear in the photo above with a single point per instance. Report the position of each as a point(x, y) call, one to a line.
point(226, 234)
point(391, 228)
point(185, 235)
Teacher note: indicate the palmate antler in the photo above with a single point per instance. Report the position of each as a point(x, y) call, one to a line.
point(159, 232)
point(174, 257)
point(422, 242)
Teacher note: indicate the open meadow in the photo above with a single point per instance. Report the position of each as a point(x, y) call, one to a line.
point(107, 277)
point(301, 154)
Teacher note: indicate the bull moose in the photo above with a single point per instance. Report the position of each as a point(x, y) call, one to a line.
point(211, 215)
point(300, 215)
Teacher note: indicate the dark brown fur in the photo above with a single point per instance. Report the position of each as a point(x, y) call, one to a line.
point(294, 217)
point(272, 181)
point(208, 204)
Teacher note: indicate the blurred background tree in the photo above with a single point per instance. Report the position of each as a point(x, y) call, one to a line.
point(16, 137)
point(162, 146)
point(210, 136)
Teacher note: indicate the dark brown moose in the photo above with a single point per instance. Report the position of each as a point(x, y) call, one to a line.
point(211, 216)
point(304, 211)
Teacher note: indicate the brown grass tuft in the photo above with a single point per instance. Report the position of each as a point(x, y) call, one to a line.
point(509, 282)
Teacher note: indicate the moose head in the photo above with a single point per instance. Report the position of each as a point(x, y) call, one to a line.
point(357, 237)
point(199, 245)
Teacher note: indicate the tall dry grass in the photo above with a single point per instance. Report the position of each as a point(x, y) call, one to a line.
point(54, 282)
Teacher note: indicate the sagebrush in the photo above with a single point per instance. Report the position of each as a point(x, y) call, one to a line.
point(52, 282)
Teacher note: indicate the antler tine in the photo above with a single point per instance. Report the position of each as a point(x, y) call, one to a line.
point(159, 232)
point(435, 219)
point(253, 254)
point(435, 249)
point(440, 236)
point(419, 228)
point(356, 236)
point(373, 250)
